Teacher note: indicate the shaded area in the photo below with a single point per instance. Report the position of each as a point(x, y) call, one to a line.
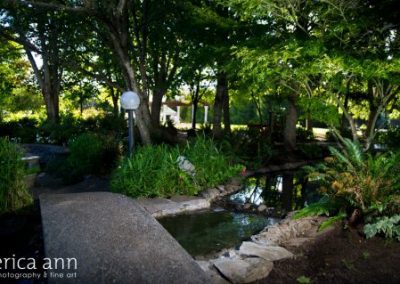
point(209, 232)
point(342, 256)
point(21, 237)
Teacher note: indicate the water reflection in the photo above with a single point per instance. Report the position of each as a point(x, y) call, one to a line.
point(287, 190)
point(209, 232)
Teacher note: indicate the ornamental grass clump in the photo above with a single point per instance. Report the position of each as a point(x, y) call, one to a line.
point(13, 190)
point(154, 171)
point(357, 186)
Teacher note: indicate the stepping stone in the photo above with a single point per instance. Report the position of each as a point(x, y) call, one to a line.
point(114, 240)
point(243, 270)
point(271, 253)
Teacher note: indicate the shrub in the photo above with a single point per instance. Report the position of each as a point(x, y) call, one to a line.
point(89, 154)
point(70, 127)
point(251, 145)
point(303, 134)
point(23, 130)
point(212, 165)
point(359, 184)
point(13, 190)
point(154, 171)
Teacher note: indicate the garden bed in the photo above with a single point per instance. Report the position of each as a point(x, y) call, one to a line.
point(341, 256)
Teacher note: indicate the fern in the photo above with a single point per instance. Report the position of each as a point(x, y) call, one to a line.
point(325, 206)
point(331, 221)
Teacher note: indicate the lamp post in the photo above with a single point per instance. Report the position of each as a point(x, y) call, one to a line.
point(130, 102)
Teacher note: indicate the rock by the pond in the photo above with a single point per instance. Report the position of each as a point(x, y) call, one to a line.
point(160, 207)
point(221, 188)
point(185, 165)
point(271, 253)
point(210, 194)
point(232, 188)
point(246, 270)
point(262, 208)
point(114, 240)
point(209, 269)
point(288, 230)
point(247, 206)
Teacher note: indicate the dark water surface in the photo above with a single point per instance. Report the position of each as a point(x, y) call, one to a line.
point(209, 232)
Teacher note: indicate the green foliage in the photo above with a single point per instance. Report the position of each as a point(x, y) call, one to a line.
point(13, 191)
point(331, 221)
point(89, 154)
point(30, 130)
point(388, 226)
point(303, 280)
point(354, 180)
point(251, 145)
point(153, 171)
point(70, 127)
point(23, 130)
point(325, 206)
point(303, 134)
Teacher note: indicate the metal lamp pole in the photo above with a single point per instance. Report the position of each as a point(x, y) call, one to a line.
point(130, 102)
point(131, 134)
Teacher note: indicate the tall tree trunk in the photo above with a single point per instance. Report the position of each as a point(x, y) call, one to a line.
point(227, 117)
point(309, 123)
point(218, 104)
point(156, 107)
point(344, 122)
point(115, 99)
point(371, 123)
point(287, 191)
point(120, 49)
point(194, 113)
point(52, 105)
point(289, 134)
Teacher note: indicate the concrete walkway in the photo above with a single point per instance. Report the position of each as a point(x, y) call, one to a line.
point(113, 239)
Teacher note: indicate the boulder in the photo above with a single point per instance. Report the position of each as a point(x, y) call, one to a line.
point(210, 194)
point(271, 253)
point(211, 271)
point(247, 270)
point(262, 208)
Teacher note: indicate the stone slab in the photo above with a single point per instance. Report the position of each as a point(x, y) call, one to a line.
point(160, 207)
point(114, 240)
point(247, 270)
point(271, 253)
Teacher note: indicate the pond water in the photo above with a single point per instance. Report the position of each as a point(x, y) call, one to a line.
point(285, 191)
point(205, 233)
point(210, 231)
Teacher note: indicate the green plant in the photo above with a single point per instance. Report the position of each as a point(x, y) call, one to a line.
point(89, 154)
point(303, 280)
point(251, 145)
point(154, 171)
point(304, 134)
point(357, 183)
point(13, 191)
point(388, 226)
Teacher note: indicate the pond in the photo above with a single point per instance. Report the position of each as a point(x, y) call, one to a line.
point(208, 232)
